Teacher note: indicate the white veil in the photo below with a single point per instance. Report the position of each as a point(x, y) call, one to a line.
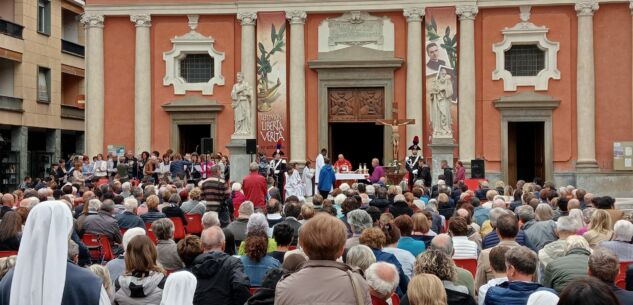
point(179, 289)
point(40, 271)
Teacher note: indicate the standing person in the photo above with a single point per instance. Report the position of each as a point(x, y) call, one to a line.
point(100, 168)
point(412, 163)
point(141, 164)
point(307, 175)
point(424, 173)
point(122, 170)
point(61, 172)
point(254, 186)
point(177, 167)
point(319, 163)
point(215, 194)
point(460, 172)
point(327, 177)
point(278, 168)
point(378, 172)
point(263, 163)
point(132, 163)
point(164, 165)
point(294, 183)
point(448, 173)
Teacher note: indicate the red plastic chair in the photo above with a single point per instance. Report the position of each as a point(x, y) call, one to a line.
point(620, 279)
point(123, 230)
point(98, 246)
point(150, 233)
point(8, 253)
point(179, 228)
point(469, 264)
point(194, 223)
point(290, 248)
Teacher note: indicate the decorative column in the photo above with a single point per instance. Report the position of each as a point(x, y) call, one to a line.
point(142, 85)
point(466, 115)
point(297, 87)
point(94, 84)
point(631, 8)
point(585, 86)
point(248, 65)
point(414, 72)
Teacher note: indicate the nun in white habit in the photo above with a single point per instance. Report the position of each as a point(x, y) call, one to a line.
point(43, 275)
point(179, 289)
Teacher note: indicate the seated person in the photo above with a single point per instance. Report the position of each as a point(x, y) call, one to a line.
point(256, 262)
point(282, 233)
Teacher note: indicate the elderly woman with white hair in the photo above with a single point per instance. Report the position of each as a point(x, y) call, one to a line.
point(237, 197)
point(400, 206)
point(257, 223)
point(573, 265)
point(621, 242)
point(360, 256)
point(358, 221)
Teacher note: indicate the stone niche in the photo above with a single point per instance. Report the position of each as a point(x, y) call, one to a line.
point(356, 28)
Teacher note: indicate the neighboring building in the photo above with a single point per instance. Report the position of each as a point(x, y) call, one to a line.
point(41, 86)
point(542, 89)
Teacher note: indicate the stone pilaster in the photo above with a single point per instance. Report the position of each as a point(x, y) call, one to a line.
point(466, 113)
point(414, 72)
point(54, 143)
point(20, 143)
point(585, 86)
point(142, 84)
point(631, 8)
point(94, 83)
point(297, 87)
point(248, 65)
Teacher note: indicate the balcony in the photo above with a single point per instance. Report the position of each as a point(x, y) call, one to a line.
point(10, 103)
point(11, 29)
point(72, 48)
point(72, 112)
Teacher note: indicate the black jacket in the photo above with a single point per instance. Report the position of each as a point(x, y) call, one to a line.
point(380, 203)
point(221, 280)
point(400, 208)
point(452, 298)
point(263, 296)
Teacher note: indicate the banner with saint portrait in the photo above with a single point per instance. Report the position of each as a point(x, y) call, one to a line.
point(272, 123)
point(441, 71)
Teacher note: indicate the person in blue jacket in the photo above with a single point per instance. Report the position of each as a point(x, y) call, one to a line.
point(327, 177)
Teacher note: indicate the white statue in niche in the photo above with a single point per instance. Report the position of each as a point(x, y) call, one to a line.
point(441, 92)
point(242, 95)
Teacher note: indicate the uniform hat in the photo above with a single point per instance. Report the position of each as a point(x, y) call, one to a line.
point(278, 149)
point(415, 145)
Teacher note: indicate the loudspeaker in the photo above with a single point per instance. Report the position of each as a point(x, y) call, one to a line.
point(206, 145)
point(251, 146)
point(477, 169)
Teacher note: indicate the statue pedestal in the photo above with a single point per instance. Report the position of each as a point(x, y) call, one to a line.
point(239, 159)
point(441, 149)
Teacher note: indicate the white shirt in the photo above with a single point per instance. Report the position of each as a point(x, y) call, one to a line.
point(484, 288)
point(320, 161)
point(464, 248)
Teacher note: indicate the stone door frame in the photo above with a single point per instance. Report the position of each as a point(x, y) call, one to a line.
point(527, 107)
point(192, 110)
point(355, 67)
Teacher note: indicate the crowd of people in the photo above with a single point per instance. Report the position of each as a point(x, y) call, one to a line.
point(258, 243)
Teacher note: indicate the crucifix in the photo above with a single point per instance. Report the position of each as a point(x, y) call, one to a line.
point(395, 123)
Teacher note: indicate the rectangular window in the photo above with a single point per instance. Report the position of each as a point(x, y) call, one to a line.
point(44, 17)
point(44, 85)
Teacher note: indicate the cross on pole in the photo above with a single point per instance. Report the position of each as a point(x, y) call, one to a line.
point(395, 123)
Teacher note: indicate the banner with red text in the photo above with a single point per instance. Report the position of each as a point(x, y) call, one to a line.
point(272, 123)
point(441, 71)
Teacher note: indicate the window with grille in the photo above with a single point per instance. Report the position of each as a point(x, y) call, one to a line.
point(196, 68)
point(524, 60)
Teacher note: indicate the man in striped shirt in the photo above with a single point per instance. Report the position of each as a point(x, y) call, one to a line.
point(215, 192)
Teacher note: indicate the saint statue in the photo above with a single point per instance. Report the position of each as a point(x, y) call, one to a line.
point(441, 92)
point(241, 95)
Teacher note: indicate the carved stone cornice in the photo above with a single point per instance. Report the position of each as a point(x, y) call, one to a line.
point(467, 12)
point(413, 14)
point(247, 18)
point(296, 16)
point(92, 20)
point(144, 20)
point(586, 7)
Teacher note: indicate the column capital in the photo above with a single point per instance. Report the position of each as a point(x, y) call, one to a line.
point(143, 20)
point(92, 20)
point(247, 18)
point(296, 16)
point(631, 6)
point(586, 7)
point(467, 12)
point(413, 14)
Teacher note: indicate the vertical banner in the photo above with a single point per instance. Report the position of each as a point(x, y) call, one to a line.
point(272, 125)
point(441, 71)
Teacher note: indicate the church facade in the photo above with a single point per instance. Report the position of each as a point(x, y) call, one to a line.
point(533, 88)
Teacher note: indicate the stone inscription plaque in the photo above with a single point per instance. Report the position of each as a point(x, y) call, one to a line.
point(355, 28)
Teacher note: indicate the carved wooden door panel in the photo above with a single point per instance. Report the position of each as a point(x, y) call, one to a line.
point(356, 104)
